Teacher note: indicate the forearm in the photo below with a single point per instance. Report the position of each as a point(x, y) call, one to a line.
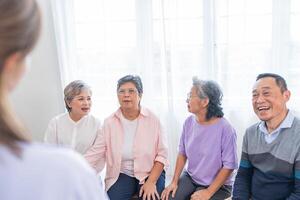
point(296, 192)
point(219, 180)
point(242, 184)
point(94, 159)
point(156, 171)
point(180, 162)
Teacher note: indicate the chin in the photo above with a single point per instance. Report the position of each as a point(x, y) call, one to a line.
point(84, 114)
point(263, 118)
point(130, 106)
point(126, 105)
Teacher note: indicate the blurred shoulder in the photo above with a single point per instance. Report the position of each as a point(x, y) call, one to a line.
point(48, 155)
point(52, 173)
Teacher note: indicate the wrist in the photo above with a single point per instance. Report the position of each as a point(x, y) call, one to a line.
point(152, 181)
point(175, 181)
point(210, 192)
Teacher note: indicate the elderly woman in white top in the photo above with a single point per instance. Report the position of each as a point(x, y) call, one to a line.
point(76, 128)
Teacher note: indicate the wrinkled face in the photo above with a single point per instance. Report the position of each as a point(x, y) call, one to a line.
point(268, 102)
point(128, 96)
point(81, 103)
point(195, 104)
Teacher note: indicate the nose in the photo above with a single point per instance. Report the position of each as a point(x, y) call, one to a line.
point(126, 93)
point(259, 99)
point(85, 102)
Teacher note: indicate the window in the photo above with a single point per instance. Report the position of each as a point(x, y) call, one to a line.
point(167, 42)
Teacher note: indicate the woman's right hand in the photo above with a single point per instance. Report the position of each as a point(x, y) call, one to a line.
point(172, 188)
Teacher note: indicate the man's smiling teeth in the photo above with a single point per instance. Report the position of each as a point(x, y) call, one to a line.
point(263, 108)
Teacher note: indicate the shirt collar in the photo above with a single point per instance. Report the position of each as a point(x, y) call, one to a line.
point(79, 121)
point(286, 123)
point(144, 112)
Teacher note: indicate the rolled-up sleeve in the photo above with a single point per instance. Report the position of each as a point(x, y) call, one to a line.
point(181, 148)
point(229, 149)
point(162, 147)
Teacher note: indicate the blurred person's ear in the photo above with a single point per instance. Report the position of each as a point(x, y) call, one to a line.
point(13, 70)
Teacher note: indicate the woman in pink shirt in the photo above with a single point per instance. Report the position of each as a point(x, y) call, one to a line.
point(132, 145)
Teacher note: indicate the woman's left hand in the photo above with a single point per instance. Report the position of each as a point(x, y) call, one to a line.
point(148, 191)
point(201, 195)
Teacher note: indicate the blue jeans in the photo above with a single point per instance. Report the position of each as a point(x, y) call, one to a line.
point(126, 186)
point(186, 187)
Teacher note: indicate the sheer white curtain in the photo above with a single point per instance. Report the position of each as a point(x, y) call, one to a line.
point(254, 36)
point(167, 42)
point(64, 26)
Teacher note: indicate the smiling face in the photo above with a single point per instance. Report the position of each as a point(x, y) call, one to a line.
point(81, 104)
point(268, 101)
point(128, 96)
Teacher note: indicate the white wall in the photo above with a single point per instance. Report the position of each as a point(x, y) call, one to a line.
point(39, 96)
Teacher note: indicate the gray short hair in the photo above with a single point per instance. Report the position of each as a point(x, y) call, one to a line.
point(280, 81)
point(211, 90)
point(136, 80)
point(72, 89)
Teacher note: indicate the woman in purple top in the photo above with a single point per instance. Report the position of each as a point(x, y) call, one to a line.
point(208, 143)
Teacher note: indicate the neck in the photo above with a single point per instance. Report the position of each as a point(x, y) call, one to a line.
point(75, 117)
point(130, 114)
point(273, 124)
point(201, 118)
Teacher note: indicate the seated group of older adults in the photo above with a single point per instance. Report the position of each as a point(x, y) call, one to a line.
point(133, 146)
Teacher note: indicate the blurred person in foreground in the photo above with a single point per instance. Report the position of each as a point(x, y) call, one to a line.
point(29, 170)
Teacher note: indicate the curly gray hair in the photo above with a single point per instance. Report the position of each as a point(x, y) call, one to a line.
point(211, 90)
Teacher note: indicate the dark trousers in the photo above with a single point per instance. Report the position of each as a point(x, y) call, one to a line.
point(186, 187)
point(126, 186)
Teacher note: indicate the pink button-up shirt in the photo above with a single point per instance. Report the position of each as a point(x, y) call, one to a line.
point(149, 146)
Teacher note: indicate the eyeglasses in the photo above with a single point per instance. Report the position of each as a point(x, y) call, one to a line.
point(129, 91)
point(189, 96)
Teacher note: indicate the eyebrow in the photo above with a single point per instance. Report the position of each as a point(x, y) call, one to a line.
point(81, 96)
point(266, 87)
point(263, 88)
point(127, 89)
